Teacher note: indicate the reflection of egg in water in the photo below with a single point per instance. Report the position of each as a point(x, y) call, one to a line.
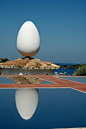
point(28, 40)
point(26, 102)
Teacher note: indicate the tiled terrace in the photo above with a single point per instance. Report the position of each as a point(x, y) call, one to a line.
point(57, 83)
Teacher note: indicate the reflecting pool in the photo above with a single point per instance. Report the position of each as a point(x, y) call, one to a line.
point(22, 80)
point(42, 108)
point(77, 79)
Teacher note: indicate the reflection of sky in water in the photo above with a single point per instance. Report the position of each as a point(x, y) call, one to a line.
point(22, 80)
point(4, 80)
point(77, 79)
point(57, 108)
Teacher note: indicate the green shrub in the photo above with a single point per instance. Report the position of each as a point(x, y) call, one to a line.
point(3, 60)
point(81, 71)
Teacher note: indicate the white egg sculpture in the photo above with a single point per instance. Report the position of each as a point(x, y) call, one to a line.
point(28, 39)
point(26, 102)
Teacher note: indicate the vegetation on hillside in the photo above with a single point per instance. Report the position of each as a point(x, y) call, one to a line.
point(76, 66)
point(3, 60)
point(81, 71)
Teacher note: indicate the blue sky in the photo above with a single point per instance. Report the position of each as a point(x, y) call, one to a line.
point(61, 25)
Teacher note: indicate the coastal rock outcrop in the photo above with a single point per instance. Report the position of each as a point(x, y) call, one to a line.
point(28, 63)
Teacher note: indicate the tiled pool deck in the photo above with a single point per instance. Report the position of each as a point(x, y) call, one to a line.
point(57, 83)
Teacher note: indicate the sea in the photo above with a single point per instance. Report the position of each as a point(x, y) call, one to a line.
point(66, 71)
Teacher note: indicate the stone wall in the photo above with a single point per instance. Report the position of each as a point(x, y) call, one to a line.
point(17, 71)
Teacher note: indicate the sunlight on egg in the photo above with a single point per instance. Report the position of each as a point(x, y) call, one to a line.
point(26, 102)
point(28, 39)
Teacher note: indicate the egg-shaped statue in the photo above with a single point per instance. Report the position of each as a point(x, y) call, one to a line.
point(26, 102)
point(28, 39)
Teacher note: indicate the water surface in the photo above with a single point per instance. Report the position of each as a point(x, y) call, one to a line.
point(57, 108)
point(77, 79)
